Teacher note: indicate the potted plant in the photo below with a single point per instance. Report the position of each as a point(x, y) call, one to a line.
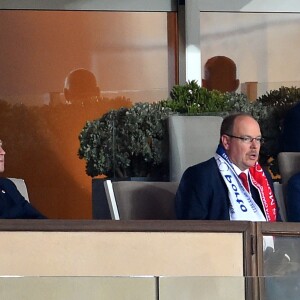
point(125, 144)
point(133, 142)
point(192, 99)
point(128, 142)
point(194, 133)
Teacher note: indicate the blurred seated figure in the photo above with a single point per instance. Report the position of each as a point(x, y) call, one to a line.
point(81, 86)
point(293, 198)
point(220, 74)
point(290, 142)
point(290, 138)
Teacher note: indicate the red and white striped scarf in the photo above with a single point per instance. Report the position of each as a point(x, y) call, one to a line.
point(243, 207)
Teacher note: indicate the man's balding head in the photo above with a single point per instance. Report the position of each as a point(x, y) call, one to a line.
point(81, 85)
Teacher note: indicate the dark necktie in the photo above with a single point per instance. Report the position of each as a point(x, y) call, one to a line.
point(244, 180)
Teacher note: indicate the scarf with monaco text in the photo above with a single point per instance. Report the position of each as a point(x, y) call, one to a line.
point(243, 207)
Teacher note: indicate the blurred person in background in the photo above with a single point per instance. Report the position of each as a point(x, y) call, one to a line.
point(12, 204)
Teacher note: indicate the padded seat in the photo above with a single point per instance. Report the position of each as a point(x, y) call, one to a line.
point(21, 186)
point(192, 139)
point(139, 200)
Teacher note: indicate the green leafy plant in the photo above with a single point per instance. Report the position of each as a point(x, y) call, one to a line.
point(190, 98)
point(134, 141)
point(268, 110)
point(131, 142)
point(128, 142)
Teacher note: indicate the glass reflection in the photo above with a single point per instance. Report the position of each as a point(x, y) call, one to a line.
point(258, 43)
point(128, 55)
point(282, 269)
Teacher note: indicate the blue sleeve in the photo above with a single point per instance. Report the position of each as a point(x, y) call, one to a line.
point(189, 203)
point(293, 199)
point(21, 208)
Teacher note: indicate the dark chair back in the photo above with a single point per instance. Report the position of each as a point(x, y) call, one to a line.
point(138, 200)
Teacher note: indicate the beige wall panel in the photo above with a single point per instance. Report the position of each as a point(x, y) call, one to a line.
point(121, 253)
point(77, 288)
point(202, 288)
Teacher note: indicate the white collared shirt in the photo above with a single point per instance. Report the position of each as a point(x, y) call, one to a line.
point(239, 171)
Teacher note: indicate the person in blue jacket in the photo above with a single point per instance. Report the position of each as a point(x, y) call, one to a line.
point(290, 142)
point(290, 138)
point(293, 198)
point(12, 204)
point(213, 190)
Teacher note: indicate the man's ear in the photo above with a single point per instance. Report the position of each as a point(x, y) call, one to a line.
point(67, 94)
point(98, 91)
point(225, 141)
point(237, 83)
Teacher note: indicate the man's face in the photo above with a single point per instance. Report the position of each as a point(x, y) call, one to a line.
point(2, 154)
point(243, 154)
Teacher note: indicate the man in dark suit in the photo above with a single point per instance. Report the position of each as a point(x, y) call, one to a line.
point(12, 204)
point(213, 190)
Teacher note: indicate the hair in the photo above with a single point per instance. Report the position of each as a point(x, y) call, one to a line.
point(80, 80)
point(220, 74)
point(80, 84)
point(228, 123)
point(220, 64)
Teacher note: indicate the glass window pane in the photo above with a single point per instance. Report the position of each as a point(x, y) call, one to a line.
point(258, 43)
point(281, 269)
point(129, 55)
